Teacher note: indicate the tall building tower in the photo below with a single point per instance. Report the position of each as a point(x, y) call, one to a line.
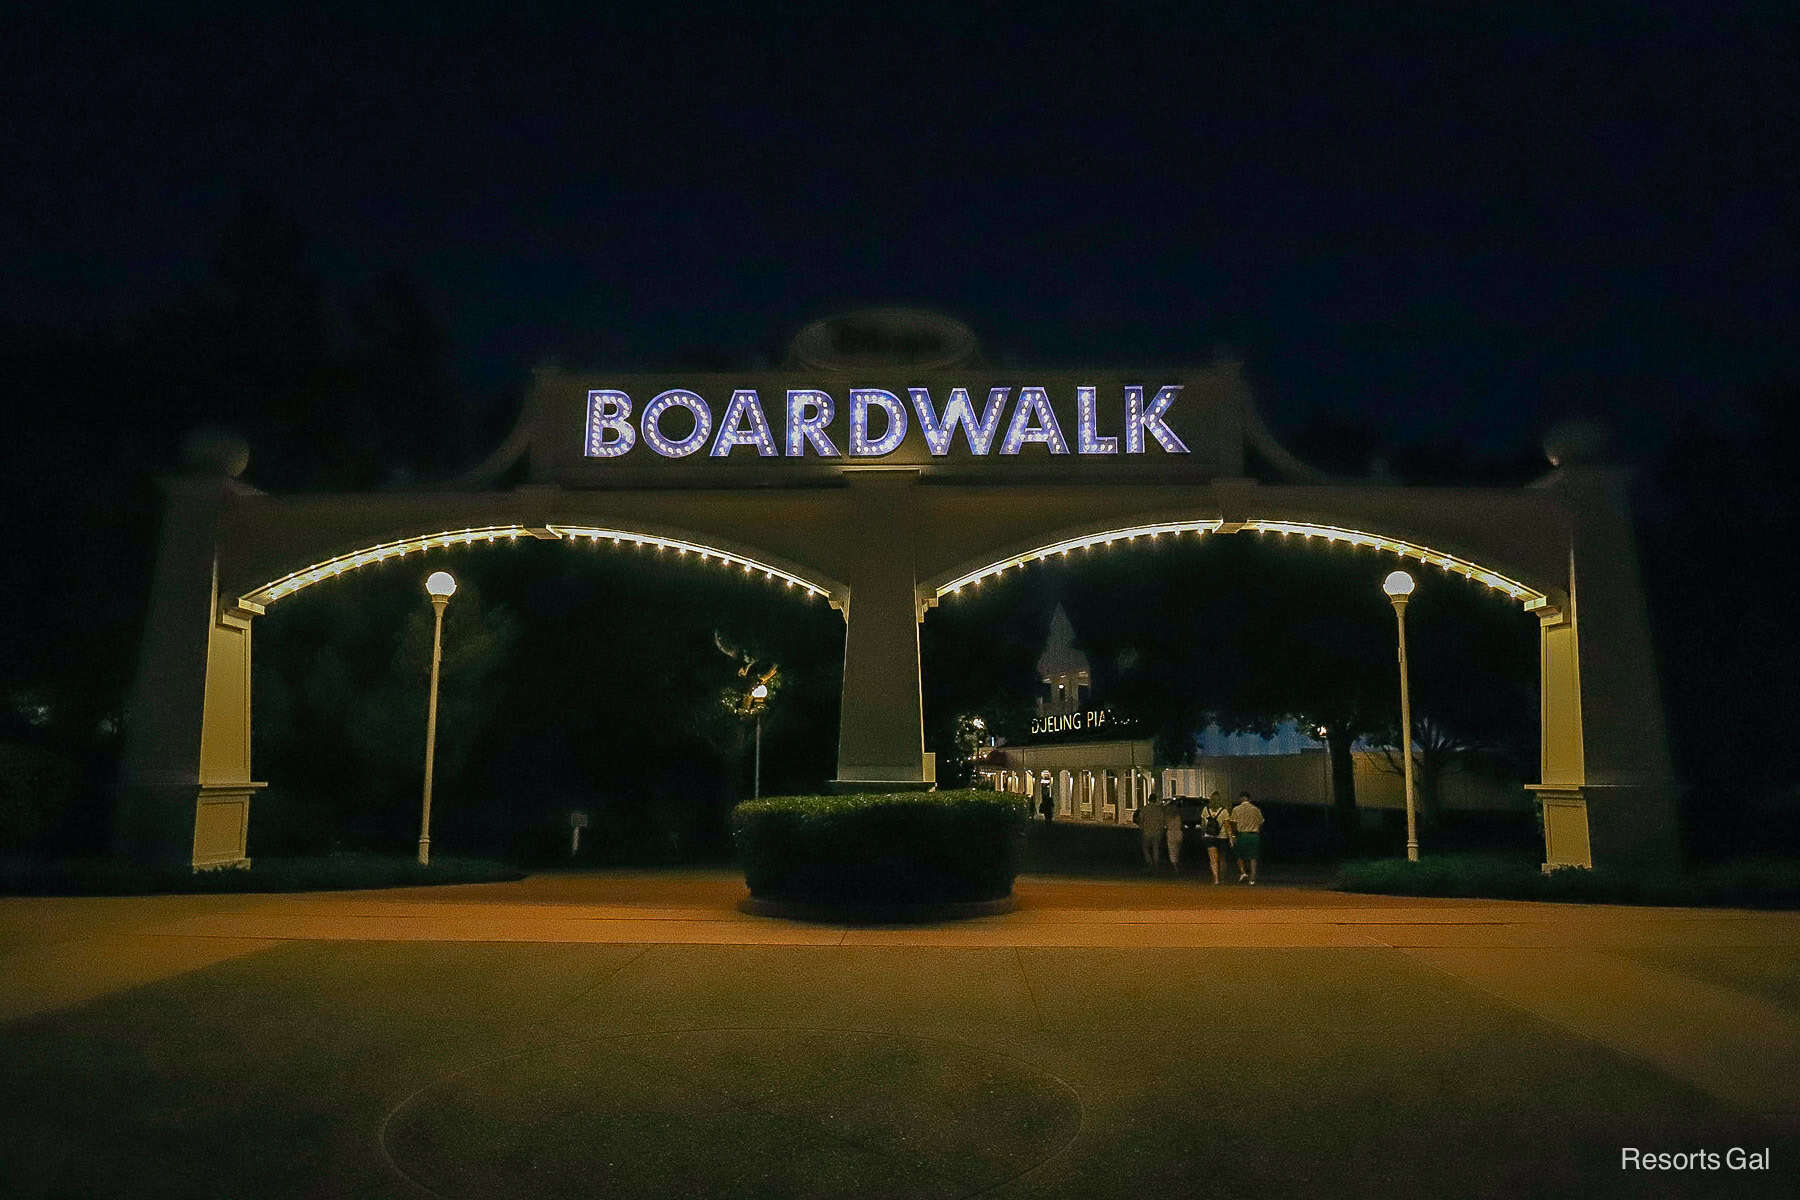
point(1063, 671)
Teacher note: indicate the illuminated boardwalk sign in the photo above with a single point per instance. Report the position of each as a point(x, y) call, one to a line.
point(678, 422)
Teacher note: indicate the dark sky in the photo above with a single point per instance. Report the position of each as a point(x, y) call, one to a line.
point(1468, 222)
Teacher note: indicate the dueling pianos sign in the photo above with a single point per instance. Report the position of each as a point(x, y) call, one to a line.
point(1080, 721)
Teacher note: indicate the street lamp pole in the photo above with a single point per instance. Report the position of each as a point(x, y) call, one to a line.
point(1399, 589)
point(440, 586)
point(759, 693)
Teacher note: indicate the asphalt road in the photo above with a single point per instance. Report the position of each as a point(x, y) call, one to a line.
point(632, 1033)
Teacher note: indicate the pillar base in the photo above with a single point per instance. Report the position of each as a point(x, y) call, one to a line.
point(222, 825)
point(1566, 842)
point(1622, 826)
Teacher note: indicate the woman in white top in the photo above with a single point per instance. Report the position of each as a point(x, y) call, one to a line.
point(1215, 831)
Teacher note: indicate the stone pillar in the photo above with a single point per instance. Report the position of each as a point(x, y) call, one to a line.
point(881, 732)
point(1607, 784)
point(185, 783)
point(1559, 790)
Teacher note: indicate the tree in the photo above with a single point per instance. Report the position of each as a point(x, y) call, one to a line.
point(1436, 749)
point(341, 696)
point(1323, 655)
point(1474, 687)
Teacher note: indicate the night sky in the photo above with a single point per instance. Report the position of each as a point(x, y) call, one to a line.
point(1463, 223)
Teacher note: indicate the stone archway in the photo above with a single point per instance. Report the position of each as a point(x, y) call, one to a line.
point(885, 528)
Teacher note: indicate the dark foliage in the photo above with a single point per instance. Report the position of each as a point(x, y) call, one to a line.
point(603, 699)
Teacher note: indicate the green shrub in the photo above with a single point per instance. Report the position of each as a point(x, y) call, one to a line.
point(1495, 876)
point(867, 851)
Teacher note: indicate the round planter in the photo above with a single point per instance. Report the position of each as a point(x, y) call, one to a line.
point(877, 914)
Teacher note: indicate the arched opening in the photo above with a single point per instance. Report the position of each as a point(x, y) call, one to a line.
point(1252, 606)
point(585, 668)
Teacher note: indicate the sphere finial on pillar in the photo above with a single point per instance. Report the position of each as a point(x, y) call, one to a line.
point(211, 450)
point(1578, 441)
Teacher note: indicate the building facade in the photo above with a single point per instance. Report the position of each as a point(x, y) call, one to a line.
point(1094, 775)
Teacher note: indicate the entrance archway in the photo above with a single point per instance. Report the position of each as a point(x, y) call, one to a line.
point(884, 515)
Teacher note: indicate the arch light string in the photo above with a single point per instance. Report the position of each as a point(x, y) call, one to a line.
point(1075, 544)
point(330, 568)
point(750, 566)
point(1529, 597)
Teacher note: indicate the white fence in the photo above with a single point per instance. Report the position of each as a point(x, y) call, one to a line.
point(1110, 793)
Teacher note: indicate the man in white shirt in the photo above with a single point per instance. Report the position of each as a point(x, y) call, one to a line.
point(1247, 820)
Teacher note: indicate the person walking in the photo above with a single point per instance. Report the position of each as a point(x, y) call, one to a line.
point(1172, 829)
point(1215, 831)
point(1149, 820)
point(1247, 822)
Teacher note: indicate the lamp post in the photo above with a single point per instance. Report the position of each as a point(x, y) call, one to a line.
point(759, 693)
point(440, 586)
point(1399, 588)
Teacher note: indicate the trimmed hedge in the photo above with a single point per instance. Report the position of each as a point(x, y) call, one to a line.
point(873, 850)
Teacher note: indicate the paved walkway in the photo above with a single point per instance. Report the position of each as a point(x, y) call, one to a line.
point(1704, 1000)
